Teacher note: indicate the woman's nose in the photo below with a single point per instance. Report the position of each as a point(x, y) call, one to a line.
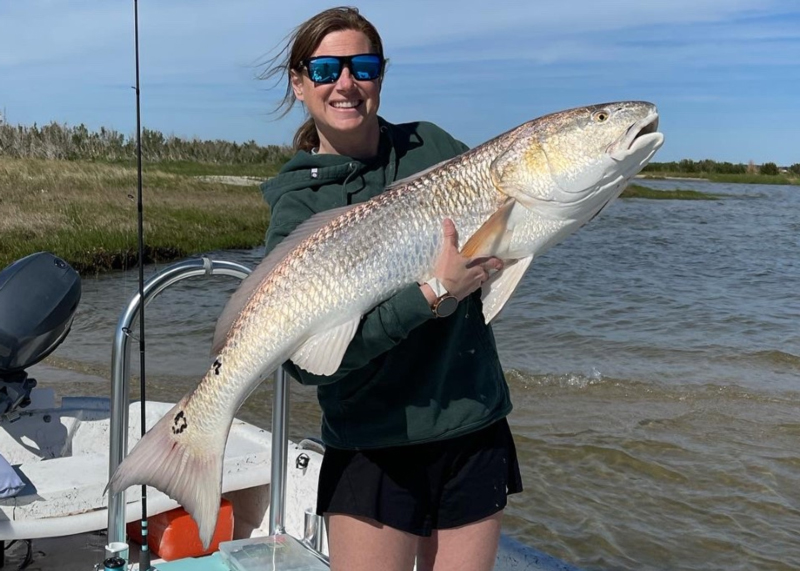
point(345, 80)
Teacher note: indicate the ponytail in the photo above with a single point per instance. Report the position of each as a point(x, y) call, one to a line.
point(306, 137)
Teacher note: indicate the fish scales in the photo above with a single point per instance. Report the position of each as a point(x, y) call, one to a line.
point(329, 267)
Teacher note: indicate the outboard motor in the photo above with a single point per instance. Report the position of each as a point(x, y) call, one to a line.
point(38, 298)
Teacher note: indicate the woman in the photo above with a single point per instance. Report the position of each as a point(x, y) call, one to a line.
point(419, 458)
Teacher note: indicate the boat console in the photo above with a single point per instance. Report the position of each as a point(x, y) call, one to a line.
point(39, 295)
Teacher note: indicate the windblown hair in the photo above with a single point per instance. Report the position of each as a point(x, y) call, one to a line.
point(300, 44)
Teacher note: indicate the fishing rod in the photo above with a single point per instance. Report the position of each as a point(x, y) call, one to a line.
point(144, 554)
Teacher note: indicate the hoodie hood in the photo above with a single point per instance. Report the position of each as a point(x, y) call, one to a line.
point(306, 170)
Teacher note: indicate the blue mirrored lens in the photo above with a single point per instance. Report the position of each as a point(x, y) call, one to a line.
point(325, 69)
point(366, 67)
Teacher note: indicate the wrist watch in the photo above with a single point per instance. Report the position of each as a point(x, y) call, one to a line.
point(445, 303)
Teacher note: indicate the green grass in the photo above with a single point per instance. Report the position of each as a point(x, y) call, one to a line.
point(86, 213)
point(637, 191)
point(754, 179)
point(727, 178)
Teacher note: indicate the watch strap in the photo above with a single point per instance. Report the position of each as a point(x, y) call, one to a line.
point(445, 303)
point(438, 287)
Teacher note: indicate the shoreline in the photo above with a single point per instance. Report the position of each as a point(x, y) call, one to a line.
point(85, 212)
point(691, 178)
point(784, 179)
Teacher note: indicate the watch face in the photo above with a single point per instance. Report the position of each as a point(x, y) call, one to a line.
point(445, 306)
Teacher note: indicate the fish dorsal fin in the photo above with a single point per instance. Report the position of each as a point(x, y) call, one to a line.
point(497, 290)
point(518, 167)
point(493, 235)
point(304, 230)
point(322, 353)
point(250, 283)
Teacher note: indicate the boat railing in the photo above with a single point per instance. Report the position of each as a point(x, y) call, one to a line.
point(512, 554)
point(120, 396)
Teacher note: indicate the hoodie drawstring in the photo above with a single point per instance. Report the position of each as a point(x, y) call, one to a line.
point(351, 167)
point(393, 162)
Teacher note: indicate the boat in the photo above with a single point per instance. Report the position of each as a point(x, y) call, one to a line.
point(64, 452)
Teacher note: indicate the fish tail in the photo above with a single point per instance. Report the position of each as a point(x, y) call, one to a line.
point(169, 459)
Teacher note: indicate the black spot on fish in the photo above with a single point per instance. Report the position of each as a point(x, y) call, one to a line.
point(179, 423)
point(217, 365)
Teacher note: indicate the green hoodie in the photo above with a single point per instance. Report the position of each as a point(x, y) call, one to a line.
point(406, 377)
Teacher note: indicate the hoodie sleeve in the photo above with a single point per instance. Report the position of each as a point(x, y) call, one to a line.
point(382, 328)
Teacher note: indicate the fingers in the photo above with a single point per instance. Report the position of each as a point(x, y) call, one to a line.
point(480, 273)
point(462, 276)
point(483, 275)
point(450, 233)
point(488, 264)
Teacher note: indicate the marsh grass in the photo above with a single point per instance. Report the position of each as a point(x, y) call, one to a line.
point(65, 142)
point(637, 191)
point(755, 179)
point(86, 213)
point(744, 178)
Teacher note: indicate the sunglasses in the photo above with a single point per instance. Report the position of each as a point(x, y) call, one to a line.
point(328, 69)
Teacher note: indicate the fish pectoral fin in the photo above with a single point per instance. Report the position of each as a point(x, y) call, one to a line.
point(322, 353)
point(521, 168)
point(493, 236)
point(497, 290)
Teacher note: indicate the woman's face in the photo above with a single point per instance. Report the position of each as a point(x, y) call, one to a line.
point(347, 109)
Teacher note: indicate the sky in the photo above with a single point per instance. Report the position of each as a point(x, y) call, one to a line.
point(725, 74)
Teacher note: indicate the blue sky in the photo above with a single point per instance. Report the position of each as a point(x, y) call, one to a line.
point(724, 73)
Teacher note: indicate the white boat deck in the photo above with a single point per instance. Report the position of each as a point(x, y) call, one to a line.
point(62, 456)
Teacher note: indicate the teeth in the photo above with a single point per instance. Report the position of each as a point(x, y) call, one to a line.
point(345, 104)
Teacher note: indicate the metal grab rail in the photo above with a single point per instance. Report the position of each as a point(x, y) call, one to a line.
point(511, 555)
point(120, 388)
point(280, 453)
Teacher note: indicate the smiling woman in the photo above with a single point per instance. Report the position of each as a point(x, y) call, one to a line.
point(335, 68)
point(344, 107)
point(401, 480)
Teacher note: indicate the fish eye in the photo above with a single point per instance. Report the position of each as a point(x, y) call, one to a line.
point(600, 116)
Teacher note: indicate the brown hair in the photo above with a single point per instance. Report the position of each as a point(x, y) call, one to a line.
point(299, 46)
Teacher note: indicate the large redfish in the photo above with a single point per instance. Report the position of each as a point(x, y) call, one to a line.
point(512, 197)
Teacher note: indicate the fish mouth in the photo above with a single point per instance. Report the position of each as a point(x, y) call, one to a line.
point(640, 134)
point(650, 126)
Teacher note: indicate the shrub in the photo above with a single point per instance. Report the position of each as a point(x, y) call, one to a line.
point(57, 141)
point(770, 169)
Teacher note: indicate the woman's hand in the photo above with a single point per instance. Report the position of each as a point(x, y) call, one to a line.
point(459, 275)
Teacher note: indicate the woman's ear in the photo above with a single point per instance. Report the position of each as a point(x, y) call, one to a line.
point(297, 84)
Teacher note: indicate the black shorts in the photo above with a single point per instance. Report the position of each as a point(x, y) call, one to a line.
point(422, 487)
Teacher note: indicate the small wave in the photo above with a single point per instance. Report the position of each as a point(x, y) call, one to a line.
point(568, 380)
point(594, 380)
point(632, 389)
point(774, 357)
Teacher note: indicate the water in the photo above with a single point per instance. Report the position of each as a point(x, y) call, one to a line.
point(654, 364)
